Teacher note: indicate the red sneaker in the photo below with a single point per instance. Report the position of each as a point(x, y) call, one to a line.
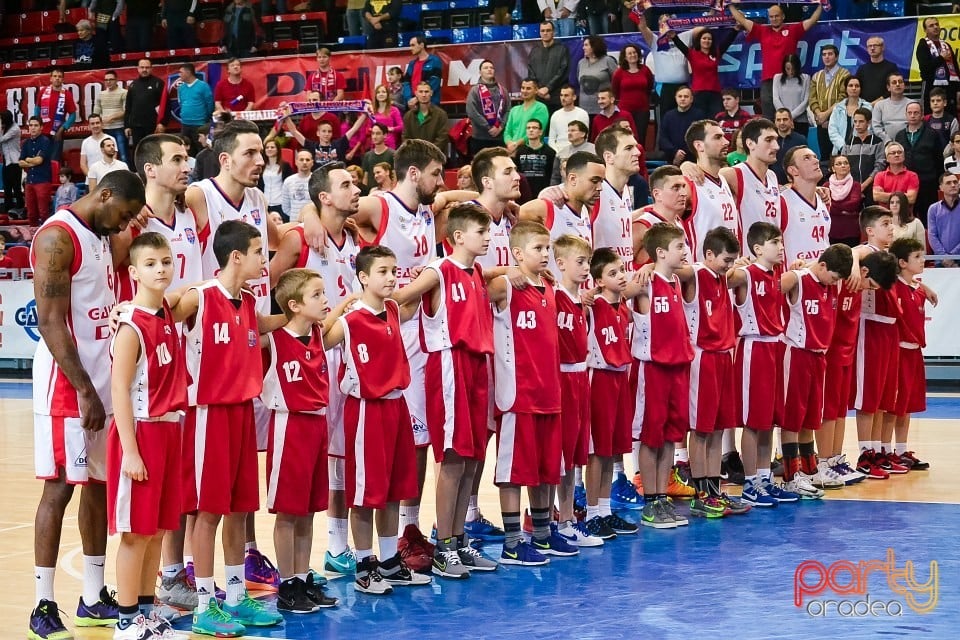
point(867, 465)
point(890, 462)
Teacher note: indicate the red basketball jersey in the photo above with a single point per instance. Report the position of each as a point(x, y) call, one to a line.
point(608, 335)
point(463, 318)
point(761, 312)
point(160, 384)
point(572, 324)
point(913, 302)
point(813, 315)
point(527, 351)
point(296, 379)
point(880, 305)
point(223, 348)
point(847, 324)
point(661, 335)
point(710, 315)
point(374, 361)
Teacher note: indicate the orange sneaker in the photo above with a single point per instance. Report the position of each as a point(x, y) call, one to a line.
point(638, 483)
point(678, 487)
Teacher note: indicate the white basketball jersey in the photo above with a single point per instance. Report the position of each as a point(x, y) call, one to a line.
point(409, 234)
point(185, 245)
point(712, 205)
point(612, 223)
point(564, 221)
point(806, 227)
point(92, 297)
point(252, 210)
point(498, 251)
point(757, 200)
point(337, 266)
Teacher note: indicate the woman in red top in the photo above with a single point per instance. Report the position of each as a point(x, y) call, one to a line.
point(704, 56)
point(632, 84)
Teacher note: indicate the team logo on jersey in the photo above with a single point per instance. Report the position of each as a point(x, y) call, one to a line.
point(191, 236)
point(81, 460)
point(353, 262)
point(255, 214)
point(389, 330)
point(418, 426)
point(251, 338)
point(26, 317)
point(306, 356)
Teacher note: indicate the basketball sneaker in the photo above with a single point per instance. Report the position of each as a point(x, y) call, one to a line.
point(344, 564)
point(619, 525)
point(45, 623)
point(446, 561)
point(826, 477)
point(554, 545)
point(680, 485)
point(415, 549)
point(867, 465)
point(252, 613)
point(105, 612)
point(638, 483)
point(368, 578)
point(734, 506)
point(523, 555)
point(803, 486)
point(755, 494)
point(580, 497)
point(259, 573)
point(671, 510)
point(731, 468)
point(396, 573)
point(915, 463)
point(214, 621)
point(598, 527)
point(292, 597)
point(844, 470)
point(780, 492)
point(137, 629)
point(471, 557)
point(623, 495)
point(706, 506)
point(483, 529)
point(162, 629)
point(177, 592)
point(314, 590)
point(891, 463)
point(654, 515)
point(776, 466)
point(576, 533)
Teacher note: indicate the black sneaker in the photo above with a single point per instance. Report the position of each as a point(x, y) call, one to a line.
point(292, 597)
point(368, 578)
point(395, 572)
point(599, 528)
point(314, 591)
point(619, 525)
point(45, 622)
point(731, 468)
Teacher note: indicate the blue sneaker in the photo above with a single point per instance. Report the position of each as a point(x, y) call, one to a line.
point(105, 612)
point(555, 545)
point(523, 555)
point(580, 497)
point(779, 493)
point(252, 613)
point(623, 495)
point(344, 563)
point(757, 495)
point(45, 623)
point(483, 529)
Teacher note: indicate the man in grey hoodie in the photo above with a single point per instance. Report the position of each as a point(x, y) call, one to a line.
point(549, 65)
point(487, 107)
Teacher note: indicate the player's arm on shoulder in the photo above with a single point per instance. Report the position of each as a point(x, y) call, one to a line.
point(498, 290)
point(930, 294)
point(445, 198)
point(729, 174)
point(274, 234)
point(426, 281)
point(285, 258)
point(126, 353)
point(789, 282)
point(333, 334)
point(266, 324)
point(337, 312)
point(197, 202)
point(535, 210)
point(186, 306)
point(639, 231)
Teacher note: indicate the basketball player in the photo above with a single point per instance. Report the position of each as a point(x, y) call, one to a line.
point(753, 182)
point(711, 202)
point(612, 215)
point(670, 192)
point(805, 218)
point(498, 182)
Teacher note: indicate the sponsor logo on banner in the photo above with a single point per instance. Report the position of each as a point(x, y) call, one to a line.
point(26, 317)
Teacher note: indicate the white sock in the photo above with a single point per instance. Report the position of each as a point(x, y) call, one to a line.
point(635, 449)
point(603, 504)
point(92, 578)
point(681, 455)
point(473, 511)
point(729, 442)
point(249, 545)
point(187, 560)
point(566, 527)
point(764, 473)
point(751, 479)
point(363, 554)
point(302, 576)
point(388, 547)
point(171, 570)
point(618, 468)
point(205, 591)
point(864, 445)
point(44, 586)
point(408, 516)
point(578, 476)
point(592, 511)
point(337, 535)
point(901, 448)
point(876, 445)
point(236, 589)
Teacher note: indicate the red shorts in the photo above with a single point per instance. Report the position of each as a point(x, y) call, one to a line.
point(803, 379)
point(152, 505)
point(912, 394)
point(836, 387)
point(666, 406)
point(220, 465)
point(575, 418)
point(528, 449)
point(458, 403)
point(382, 458)
point(297, 482)
point(712, 394)
point(758, 366)
point(876, 368)
point(611, 412)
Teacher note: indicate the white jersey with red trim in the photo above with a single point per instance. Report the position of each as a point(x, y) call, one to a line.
point(758, 200)
point(184, 243)
point(612, 222)
point(650, 217)
point(337, 265)
point(498, 251)
point(411, 235)
point(92, 297)
point(252, 209)
point(565, 221)
point(806, 227)
point(712, 205)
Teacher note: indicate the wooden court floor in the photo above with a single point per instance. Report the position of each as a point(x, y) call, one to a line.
point(934, 438)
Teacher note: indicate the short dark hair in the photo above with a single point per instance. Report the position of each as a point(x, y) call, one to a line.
point(849, 79)
point(189, 67)
point(720, 239)
point(609, 139)
point(465, 214)
point(147, 240)
point(697, 132)
point(602, 256)
point(755, 127)
point(384, 129)
point(579, 124)
point(938, 91)
point(784, 110)
point(870, 215)
point(881, 267)
point(226, 140)
point(580, 160)
point(65, 170)
point(482, 165)
point(231, 235)
point(529, 79)
point(35, 118)
point(838, 258)
point(903, 247)
point(831, 47)
point(863, 111)
point(150, 149)
point(320, 180)
point(730, 91)
point(598, 45)
point(125, 185)
point(368, 255)
point(416, 153)
point(761, 233)
point(94, 115)
point(659, 236)
point(661, 173)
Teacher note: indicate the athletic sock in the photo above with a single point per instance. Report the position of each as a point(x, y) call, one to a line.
point(593, 511)
point(44, 582)
point(791, 460)
point(901, 448)
point(337, 535)
point(680, 455)
point(700, 484)
point(541, 523)
point(363, 554)
point(876, 445)
point(578, 476)
point(128, 613)
point(865, 445)
point(751, 479)
point(511, 529)
point(249, 545)
point(388, 547)
point(187, 559)
point(236, 588)
point(473, 511)
point(635, 449)
point(649, 498)
point(808, 458)
point(171, 570)
point(604, 505)
point(409, 515)
point(205, 591)
point(713, 486)
point(92, 579)
point(618, 468)
point(729, 442)
point(145, 605)
point(764, 474)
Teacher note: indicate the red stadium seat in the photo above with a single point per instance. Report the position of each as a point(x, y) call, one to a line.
point(288, 156)
point(19, 256)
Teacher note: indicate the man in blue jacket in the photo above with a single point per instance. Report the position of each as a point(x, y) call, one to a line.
point(425, 67)
point(196, 105)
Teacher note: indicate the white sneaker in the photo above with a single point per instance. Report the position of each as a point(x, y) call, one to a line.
point(162, 629)
point(578, 535)
point(848, 474)
point(803, 486)
point(826, 477)
point(138, 630)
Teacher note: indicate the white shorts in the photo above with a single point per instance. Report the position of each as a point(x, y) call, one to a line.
point(261, 418)
point(336, 471)
point(335, 446)
point(416, 393)
point(60, 442)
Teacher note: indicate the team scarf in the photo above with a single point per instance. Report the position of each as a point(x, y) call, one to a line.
point(58, 117)
point(491, 113)
point(299, 108)
point(636, 14)
point(948, 74)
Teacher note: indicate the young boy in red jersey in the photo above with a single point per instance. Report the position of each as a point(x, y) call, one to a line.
point(296, 391)
point(220, 442)
point(456, 330)
point(912, 394)
point(811, 301)
point(661, 344)
point(149, 386)
point(709, 314)
point(611, 403)
point(758, 366)
point(571, 254)
point(381, 465)
point(527, 396)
